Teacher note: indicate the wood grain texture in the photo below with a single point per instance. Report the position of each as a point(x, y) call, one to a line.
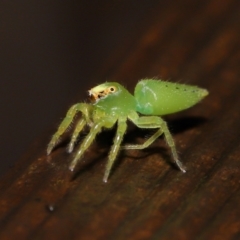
point(146, 197)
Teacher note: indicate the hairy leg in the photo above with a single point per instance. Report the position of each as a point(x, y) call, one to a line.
point(121, 129)
point(148, 142)
point(79, 107)
point(155, 122)
point(95, 129)
point(77, 130)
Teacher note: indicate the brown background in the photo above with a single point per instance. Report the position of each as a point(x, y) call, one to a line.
point(52, 52)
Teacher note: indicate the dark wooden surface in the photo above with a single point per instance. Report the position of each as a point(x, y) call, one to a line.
point(146, 197)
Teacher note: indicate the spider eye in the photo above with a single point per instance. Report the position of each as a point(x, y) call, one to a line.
point(112, 89)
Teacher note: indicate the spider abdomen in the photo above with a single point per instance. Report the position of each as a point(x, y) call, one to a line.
point(156, 97)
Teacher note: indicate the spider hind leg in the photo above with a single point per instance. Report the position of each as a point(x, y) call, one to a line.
point(155, 122)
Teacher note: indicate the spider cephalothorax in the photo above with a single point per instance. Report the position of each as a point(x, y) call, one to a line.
point(112, 103)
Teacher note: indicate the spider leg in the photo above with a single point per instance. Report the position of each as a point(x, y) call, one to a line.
point(155, 122)
point(95, 129)
point(121, 129)
point(80, 125)
point(79, 107)
point(148, 142)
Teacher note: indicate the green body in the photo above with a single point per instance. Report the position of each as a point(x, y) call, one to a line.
point(112, 104)
point(151, 97)
point(119, 103)
point(160, 97)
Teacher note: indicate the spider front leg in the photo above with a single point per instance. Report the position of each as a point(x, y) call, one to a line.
point(80, 125)
point(85, 109)
point(121, 129)
point(95, 129)
point(155, 122)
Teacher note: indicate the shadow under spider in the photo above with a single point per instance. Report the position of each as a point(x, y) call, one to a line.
point(185, 123)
